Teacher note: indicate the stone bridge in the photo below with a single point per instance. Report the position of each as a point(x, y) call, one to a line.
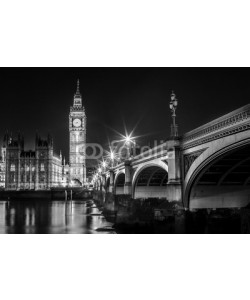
point(208, 167)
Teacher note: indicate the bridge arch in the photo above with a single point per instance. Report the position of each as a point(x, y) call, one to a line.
point(150, 181)
point(221, 178)
point(119, 183)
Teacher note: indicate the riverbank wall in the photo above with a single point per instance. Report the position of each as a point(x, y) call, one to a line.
point(161, 216)
point(53, 194)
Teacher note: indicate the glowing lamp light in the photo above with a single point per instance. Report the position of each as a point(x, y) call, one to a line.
point(99, 169)
point(112, 155)
point(104, 164)
point(128, 139)
point(173, 96)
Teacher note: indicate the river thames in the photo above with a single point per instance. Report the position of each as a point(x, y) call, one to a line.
point(56, 217)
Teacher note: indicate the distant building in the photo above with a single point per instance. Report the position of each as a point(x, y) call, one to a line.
point(2, 167)
point(65, 174)
point(39, 169)
point(91, 166)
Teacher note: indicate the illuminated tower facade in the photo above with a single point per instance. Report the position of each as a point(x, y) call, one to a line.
point(77, 141)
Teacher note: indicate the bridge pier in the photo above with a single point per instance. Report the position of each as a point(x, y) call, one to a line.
point(128, 178)
point(103, 183)
point(174, 187)
point(111, 183)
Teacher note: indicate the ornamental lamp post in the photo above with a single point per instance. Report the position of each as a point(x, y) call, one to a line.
point(173, 106)
point(129, 142)
point(112, 157)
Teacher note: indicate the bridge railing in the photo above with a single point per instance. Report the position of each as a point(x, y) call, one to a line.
point(160, 149)
point(235, 117)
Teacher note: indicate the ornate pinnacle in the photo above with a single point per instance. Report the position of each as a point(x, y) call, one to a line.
point(78, 87)
point(78, 97)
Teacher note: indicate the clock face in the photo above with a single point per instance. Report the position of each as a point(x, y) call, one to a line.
point(77, 122)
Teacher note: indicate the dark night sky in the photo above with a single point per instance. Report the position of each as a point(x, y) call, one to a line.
point(38, 99)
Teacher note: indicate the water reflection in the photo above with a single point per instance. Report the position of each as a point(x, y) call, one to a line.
point(52, 217)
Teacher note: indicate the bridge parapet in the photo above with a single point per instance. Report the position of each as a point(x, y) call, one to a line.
point(236, 121)
point(154, 153)
point(119, 167)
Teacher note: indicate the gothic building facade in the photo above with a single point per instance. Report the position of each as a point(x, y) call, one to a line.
point(41, 168)
point(2, 167)
point(38, 169)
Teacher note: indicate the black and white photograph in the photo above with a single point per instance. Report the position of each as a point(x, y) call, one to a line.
point(124, 149)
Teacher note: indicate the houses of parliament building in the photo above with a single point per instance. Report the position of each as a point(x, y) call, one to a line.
point(42, 168)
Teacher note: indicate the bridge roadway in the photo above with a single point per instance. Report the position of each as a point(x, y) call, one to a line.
point(208, 167)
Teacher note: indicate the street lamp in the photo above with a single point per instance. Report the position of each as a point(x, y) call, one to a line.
point(104, 165)
point(129, 142)
point(112, 158)
point(128, 139)
point(173, 106)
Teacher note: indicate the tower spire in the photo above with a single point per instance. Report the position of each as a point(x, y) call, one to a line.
point(78, 96)
point(78, 86)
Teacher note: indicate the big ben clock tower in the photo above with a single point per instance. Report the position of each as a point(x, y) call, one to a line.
point(77, 140)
